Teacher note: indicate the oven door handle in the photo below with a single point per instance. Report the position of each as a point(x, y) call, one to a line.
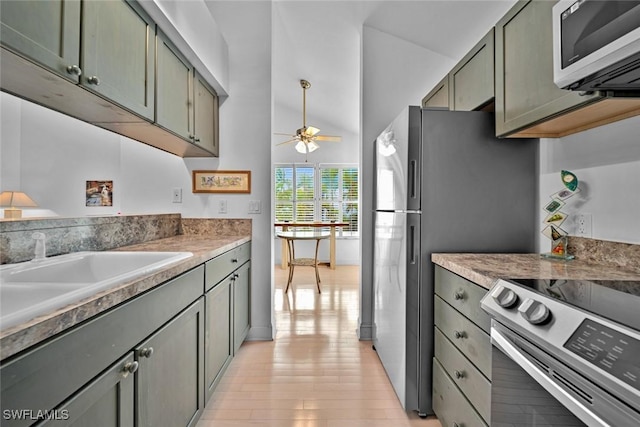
point(578, 409)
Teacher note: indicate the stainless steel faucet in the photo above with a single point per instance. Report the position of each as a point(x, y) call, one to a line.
point(41, 250)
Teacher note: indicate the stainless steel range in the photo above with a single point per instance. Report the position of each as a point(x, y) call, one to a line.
point(565, 352)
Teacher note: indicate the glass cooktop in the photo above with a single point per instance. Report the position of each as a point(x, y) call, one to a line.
point(616, 300)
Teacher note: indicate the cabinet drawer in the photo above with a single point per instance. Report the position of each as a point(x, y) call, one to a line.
point(467, 377)
point(472, 341)
point(221, 266)
point(449, 404)
point(463, 295)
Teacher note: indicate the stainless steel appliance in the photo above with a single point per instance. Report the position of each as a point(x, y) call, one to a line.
point(596, 45)
point(444, 183)
point(565, 352)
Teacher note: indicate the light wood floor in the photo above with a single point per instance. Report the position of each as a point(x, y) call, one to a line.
point(315, 373)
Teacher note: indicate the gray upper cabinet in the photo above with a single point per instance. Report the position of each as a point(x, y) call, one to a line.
point(471, 82)
point(47, 32)
point(438, 97)
point(174, 89)
point(525, 92)
point(118, 54)
point(205, 106)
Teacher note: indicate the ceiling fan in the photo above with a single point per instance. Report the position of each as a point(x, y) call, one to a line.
point(306, 137)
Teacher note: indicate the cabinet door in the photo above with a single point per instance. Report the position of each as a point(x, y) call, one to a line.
point(46, 31)
point(170, 390)
point(107, 401)
point(471, 80)
point(439, 95)
point(205, 105)
point(218, 346)
point(174, 89)
point(525, 92)
point(118, 54)
point(241, 305)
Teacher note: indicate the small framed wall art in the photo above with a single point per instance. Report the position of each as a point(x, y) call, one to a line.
point(221, 181)
point(99, 193)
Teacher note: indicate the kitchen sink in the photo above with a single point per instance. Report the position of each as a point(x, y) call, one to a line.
point(32, 288)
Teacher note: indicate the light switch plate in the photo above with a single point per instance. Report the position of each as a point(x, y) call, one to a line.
point(255, 206)
point(176, 195)
point(222, 206)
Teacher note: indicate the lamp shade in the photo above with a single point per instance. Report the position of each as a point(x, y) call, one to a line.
point(11, 200)
point(18, 199)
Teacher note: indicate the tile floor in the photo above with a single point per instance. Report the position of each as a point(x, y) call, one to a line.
point(315, 373)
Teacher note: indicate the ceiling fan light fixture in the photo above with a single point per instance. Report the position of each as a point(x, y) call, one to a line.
point(301, 147)
point(312, 146)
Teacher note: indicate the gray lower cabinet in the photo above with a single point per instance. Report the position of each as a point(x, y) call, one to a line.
point(218, 333)
point(227, 296)
point(47, 32)
point(169, 379)
point(241, 305)
point(462, 350)
point(109, 399)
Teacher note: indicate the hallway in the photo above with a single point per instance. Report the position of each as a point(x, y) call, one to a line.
point(316, 373)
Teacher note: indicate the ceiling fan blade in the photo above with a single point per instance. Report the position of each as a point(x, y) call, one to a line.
point(287, 142)
point(311, 131)
point(285, 134)
point(328, 138)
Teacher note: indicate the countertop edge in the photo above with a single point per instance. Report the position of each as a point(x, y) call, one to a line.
point(20, 337)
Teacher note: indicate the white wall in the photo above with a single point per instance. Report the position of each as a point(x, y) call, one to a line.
point(406, 72)
point(50, 156)
point(606, 161)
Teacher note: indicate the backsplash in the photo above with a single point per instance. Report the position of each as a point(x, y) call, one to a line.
point(623, 255)
point(66, 235)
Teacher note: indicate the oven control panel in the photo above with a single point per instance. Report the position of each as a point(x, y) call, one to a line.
point(607, 349)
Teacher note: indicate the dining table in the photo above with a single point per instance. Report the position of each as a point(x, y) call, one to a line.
point(332, 225)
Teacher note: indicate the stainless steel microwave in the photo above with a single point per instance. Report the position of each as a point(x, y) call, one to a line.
point(596, 45)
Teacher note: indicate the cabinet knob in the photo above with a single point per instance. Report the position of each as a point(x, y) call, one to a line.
point(458, 295)
point(234, 260)
point(459, 334)
point(458, 374)
point(146, 352)
point(196, 139)
point(74, 70)
point(456, 425)
point(235, 275)
point(93, 80)
point(130, 368)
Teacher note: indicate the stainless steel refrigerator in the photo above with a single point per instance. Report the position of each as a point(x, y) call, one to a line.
point(444, 183)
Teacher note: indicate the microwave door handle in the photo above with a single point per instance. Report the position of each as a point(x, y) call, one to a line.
point(503, 343)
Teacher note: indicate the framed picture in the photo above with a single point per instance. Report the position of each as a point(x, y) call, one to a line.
point(222, 181)
point(99, 193)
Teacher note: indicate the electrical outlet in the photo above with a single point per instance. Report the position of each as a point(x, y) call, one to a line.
point(584, 223)
point(176, 195)
point(222, 206)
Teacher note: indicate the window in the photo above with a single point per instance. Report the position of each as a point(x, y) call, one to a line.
point(325, 192)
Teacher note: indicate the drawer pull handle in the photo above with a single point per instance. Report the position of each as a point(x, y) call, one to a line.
point(458, 295)
point(456, 425)
point(130, 368)
point(93, 80)
point(146, 352)
point(234, 260)
point(458, 374)
point(459, 334)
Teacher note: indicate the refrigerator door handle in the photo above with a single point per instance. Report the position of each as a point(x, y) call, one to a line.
point(414, 177)
point(412, 245)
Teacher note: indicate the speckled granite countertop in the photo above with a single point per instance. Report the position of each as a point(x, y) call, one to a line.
point(484, 269)
point(203, 247)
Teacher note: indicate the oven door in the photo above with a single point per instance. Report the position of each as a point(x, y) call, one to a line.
point(531, 388)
